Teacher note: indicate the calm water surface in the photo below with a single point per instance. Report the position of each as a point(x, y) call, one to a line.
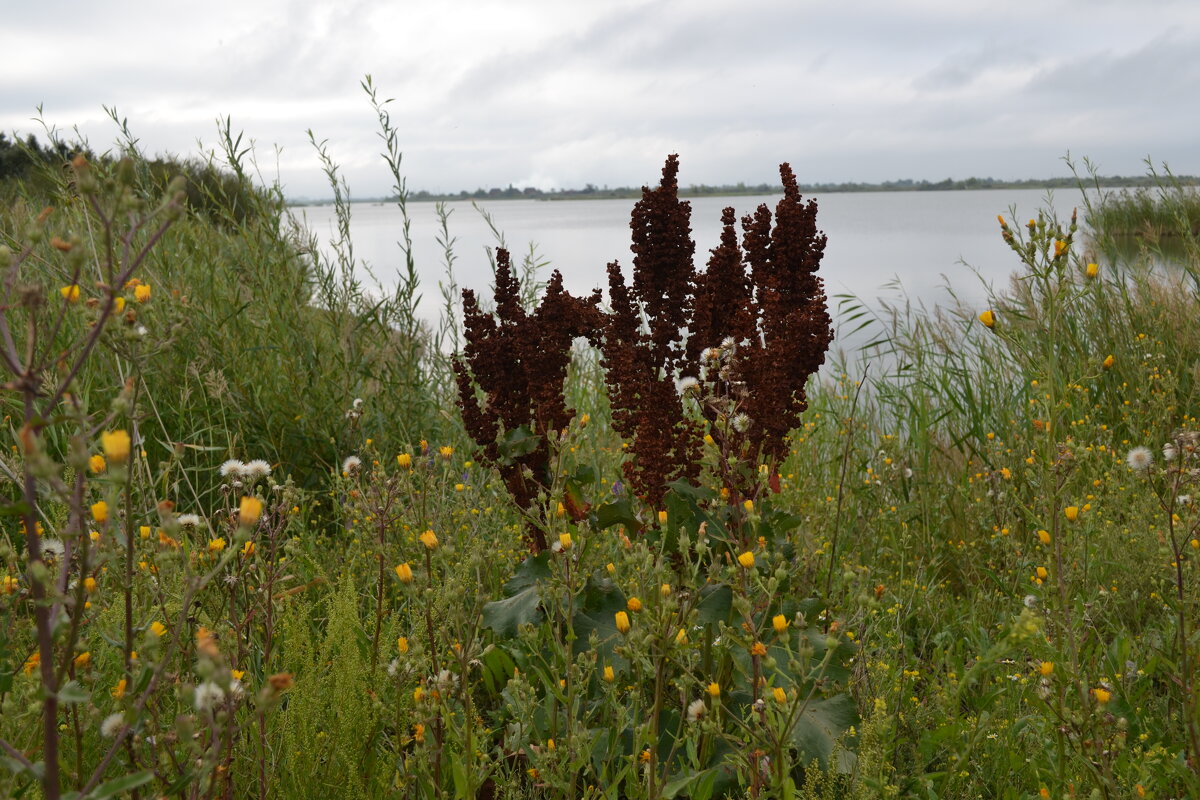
point(925, 240)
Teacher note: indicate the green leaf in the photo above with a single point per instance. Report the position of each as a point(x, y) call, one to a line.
point(532, 569)
point(16, 767)
point(505, 617)
point(599, 603)
point(121, 785)
point(516, 443)
point(72, 692)
point(716, 600)
point(818, 729)
point(498, 667)
point(618, 512)
point(677, 785)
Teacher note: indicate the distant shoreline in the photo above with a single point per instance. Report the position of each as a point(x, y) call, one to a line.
point(591, 192)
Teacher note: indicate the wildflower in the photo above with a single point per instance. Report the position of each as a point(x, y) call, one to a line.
point(1046, 669)
point(280, 681)
point(622, 621)
point(232, 469)
point(118, 691)
point(1102, 695)
point(1169, 452)
point(97, 464)
point(1108, 362)
point(1043, 536)
point(681, 638)
point(1071, 512)
point(662, 518)
point(216, 545)
point(714, 689)
point(144, 531)
point(988, 318)
point(157, 628)
point(404, 460)
point(113, 724)
point(100, 512)
point(141, 292)
point(696, 710)
point(256, 469)
point(779, 694)
point(351, 466)
point(749, 506)
point(1044, 793)
point(186, 521)
point(1042, 573)
point(248, 549)
point(740, 423)
point(445, 451)
point(70, 293)
point(89, 584)
point(1093, 269)
point(1139, 458)
point(633, 604)
point(610, 568)
point(116, 445)
point(404, 573)
point(429, 539)
point(608, 674)
point(83, 659)
point(779, 623)
point(207, 695)
point(1060, 247)
point(418, 733)
point(249, 511)
point(10, 585)
point(665, 590)
point(746, 559)
point(119, 305)
point(52, 550)
point(686, 384)
point(564, 540)
point(32, 663)
point(758, 649)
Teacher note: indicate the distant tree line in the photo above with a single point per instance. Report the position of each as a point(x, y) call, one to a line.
point(592, 192)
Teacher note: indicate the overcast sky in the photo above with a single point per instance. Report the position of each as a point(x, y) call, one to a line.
point(558, 93)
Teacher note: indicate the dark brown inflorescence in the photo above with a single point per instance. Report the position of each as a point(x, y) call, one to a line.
point(519, 362)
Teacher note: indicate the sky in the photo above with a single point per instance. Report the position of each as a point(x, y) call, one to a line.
point(560, 93)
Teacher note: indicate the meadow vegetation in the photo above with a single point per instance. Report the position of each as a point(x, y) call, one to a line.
point(266, 536)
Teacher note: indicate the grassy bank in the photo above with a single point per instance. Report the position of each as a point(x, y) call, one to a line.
point(251, 550)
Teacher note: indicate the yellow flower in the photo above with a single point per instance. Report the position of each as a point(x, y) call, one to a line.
point(157, 628)
point(1042, 573)
point(119, 304)
point(1060, 247)
point(116, 446)
point(404, 573)
point(681, 637)
point(758, 649)
point(216, 545)
point(429, 539)
point(97, 464)
point(779, 623)
point(662, 518)
point(404, 460)
point(70, 293)
point(144, 531)
point(10, 585)
point(988, 318)
point(779, 694)
point(418, 733)
point(749, 506)
point(622, 621)
point(83, 659)
point(118, 691)
point(1102, 695)
point(1046, 669)
point(1071, 512)
point(714, 689)
point(89, 584)
point(746, 559)
point(1044, 536)
point(249, 510)
point(611, 568)
point(665, 590)
point(32, 663)
point(609, 675)
point(564, 540)
point(418, 694)
point(402, 645)
point(633, 604)
point(100, 512)
point(1044, 793)
point(1093, 270)
point(446, 451)
point(248, 549)
point(141, 292)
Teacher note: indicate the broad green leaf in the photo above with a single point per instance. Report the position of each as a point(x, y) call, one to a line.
point(72, 692)
point(818, 729)
point(121, 785)
point(506, 616)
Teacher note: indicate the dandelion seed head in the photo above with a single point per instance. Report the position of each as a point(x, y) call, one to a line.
point(189, 520)
point(112, 725)
point(696, 710)
point(257, 469)
point(207, 695)
point(232, 468)
point(351, 465)
point(52, 550)
point(1139, 458)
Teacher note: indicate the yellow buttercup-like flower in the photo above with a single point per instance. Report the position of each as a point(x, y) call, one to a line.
point(609, 675)
point(988, 318)
point(1109, 361)
point(1093, 270)
point(249, 510)
point(97, 464)
point(779, 694)
point(429, 539)
point(402, 645)
point(565, 541)
point(116, 446)
point(1044, 536)
point(1102, 695)
point(746, 559)
point(633, 604)
point(779, 623)
point(622, 621)
point(404, 573)
point(1046, 669)
point(100, 512)
point(1071, 512)
point(714, 689)
point(404, 460)
point(70, 293)
point(141, 292)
